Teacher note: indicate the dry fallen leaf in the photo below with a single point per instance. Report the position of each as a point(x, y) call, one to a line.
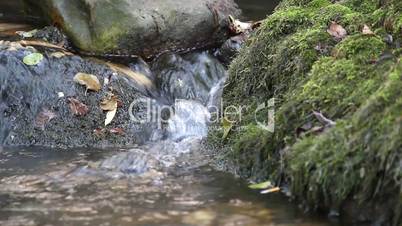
point(44, 117)
point(137, 77)
point(99, 132)
point(58, 54)
point(238, 27)
point(77, 107)
point(88, 80)
point(272, 190)
point(110, 116)
point(27, 34)
point(117, 131)
point(109, 103)
point(337, 30)
point(367, 30)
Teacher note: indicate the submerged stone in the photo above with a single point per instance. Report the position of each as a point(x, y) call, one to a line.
point(140, 27)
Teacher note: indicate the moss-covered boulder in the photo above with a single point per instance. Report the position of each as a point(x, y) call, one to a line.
point(139, 27)
point(352, 81)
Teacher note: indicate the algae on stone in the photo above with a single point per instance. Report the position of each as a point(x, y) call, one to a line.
point(293, 59)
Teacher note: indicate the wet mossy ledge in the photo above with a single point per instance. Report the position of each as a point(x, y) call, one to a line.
point(354, 167)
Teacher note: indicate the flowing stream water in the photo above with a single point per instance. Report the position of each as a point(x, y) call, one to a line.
point(165, 182)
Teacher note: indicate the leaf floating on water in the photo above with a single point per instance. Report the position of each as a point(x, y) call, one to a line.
point(88, 80)
point(367, 30)
point(260, 186)
point(77, 107)
point(110, 116)
point(227, 127)
point(272, 190)
point(337, 30)
point(33, 59)
point(44, 117)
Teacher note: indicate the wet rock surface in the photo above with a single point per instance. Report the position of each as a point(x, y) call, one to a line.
point(228, 51)
point(35, 101)
point(140, 27)
point(190, 77)
point(43, 105)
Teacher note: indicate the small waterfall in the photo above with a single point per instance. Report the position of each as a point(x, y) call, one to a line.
point(190, 119)
point(192, 84)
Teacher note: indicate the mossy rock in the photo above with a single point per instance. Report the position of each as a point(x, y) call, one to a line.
point(293, 59)
point(359, 159)
point(144, 28)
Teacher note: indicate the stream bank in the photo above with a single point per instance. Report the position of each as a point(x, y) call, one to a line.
point(337, 140)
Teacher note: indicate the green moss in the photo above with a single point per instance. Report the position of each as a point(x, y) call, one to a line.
point(293, 3)
point(350, 159)
point(366, 6)
point(250, 152)
point(293, 59)
point(290, 57)
point(362, 48)
point(316, 4)
point(333, 12)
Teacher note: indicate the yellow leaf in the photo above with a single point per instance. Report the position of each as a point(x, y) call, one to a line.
point(263, 185)
point(88, 80)
point(109, 104)
point(227, 127)
point(272, 190)
point(33, 59)
point(110, 116)
point(58, 54)
point(137, 77)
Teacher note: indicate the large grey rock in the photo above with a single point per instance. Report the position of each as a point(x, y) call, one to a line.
point(140, 27)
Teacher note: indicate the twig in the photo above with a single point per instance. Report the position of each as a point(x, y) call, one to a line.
point(324, 120)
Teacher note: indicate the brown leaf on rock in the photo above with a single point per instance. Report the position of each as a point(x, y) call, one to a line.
point(117, 131)
point(88, 80)
point(367, 31)
point(42, 44)
point(110, 103)
point(44, 117)
point(337, 31)
point(237, 27)
point(139, 78)
point(77, 107)
point(100, 132)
